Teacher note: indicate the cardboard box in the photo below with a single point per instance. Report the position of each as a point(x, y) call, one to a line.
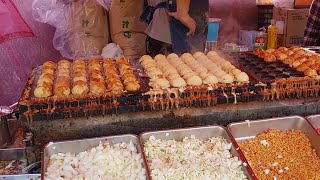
point(293, 23)
point(289, 41)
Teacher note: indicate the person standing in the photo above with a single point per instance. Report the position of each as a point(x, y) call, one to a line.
point(312, 31)
point(158, 31)
point(189, 26)
point(176, 26)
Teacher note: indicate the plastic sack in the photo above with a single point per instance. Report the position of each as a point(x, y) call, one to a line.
point(11, 23)
point(112, 50)
point(283, 3)
point(126, 29)
point(105, 3)
point(81, 26)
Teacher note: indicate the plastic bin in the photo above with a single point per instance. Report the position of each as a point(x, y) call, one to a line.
point(213, 29)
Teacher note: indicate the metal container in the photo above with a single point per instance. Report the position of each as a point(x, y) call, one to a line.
point(203, 133)
point(8, 129)
point(15, 154)
point(242, 131)
point(12, 154)
point(21, 177)
point(78, 146)
point(6, 134)
point(314, 120)
point(5, 137)
point(9, 154)
point(30, 172)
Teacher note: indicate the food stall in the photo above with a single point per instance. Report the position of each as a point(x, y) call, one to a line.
point(208, 114)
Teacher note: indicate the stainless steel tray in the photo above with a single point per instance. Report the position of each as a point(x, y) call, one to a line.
point(246, 130)
point(7, 153)
point(21, 177)
point(242, 131)
point(12, 154)
point(200, 133)
point(78, 146)
point(314, 120)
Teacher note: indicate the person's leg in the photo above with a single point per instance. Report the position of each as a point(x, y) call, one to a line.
point(166, 49)
point(180, 41)
point(155, 47)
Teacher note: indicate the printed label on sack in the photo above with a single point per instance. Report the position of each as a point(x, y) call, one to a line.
point(125, 25)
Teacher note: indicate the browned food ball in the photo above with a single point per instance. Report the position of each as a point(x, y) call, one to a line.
point(77, 78)
point(302, 68)
point(78, 66)
point(257, 51)
point(79, 61)
point(64, 64)
point(61, 90)
point(93, 61)
point(132, 86)
point(295, 64)
point(281, 56)
point(94, 67)
point(289, 53)
point(294, 48)
point(282, 49)
point(288, 60)
point(97, 88)
point(43, 91)
point(48, 70)
point(310, 72)
point(94, 71)
point(96, 81)
point(80, 87)
point(49, 64)
point(262, 54)
point(270, 58)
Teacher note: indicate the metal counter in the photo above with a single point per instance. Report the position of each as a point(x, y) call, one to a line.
point(135, 123)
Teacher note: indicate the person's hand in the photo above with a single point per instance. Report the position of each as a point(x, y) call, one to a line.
point(185, 20)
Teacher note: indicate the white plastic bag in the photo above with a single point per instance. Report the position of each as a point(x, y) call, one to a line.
point(105, 3)
point(112, 50)
point(50, 12)
point(81, 25)
point(126, 29)
point(283, 3)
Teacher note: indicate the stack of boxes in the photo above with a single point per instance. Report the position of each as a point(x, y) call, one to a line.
point(291, 25)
